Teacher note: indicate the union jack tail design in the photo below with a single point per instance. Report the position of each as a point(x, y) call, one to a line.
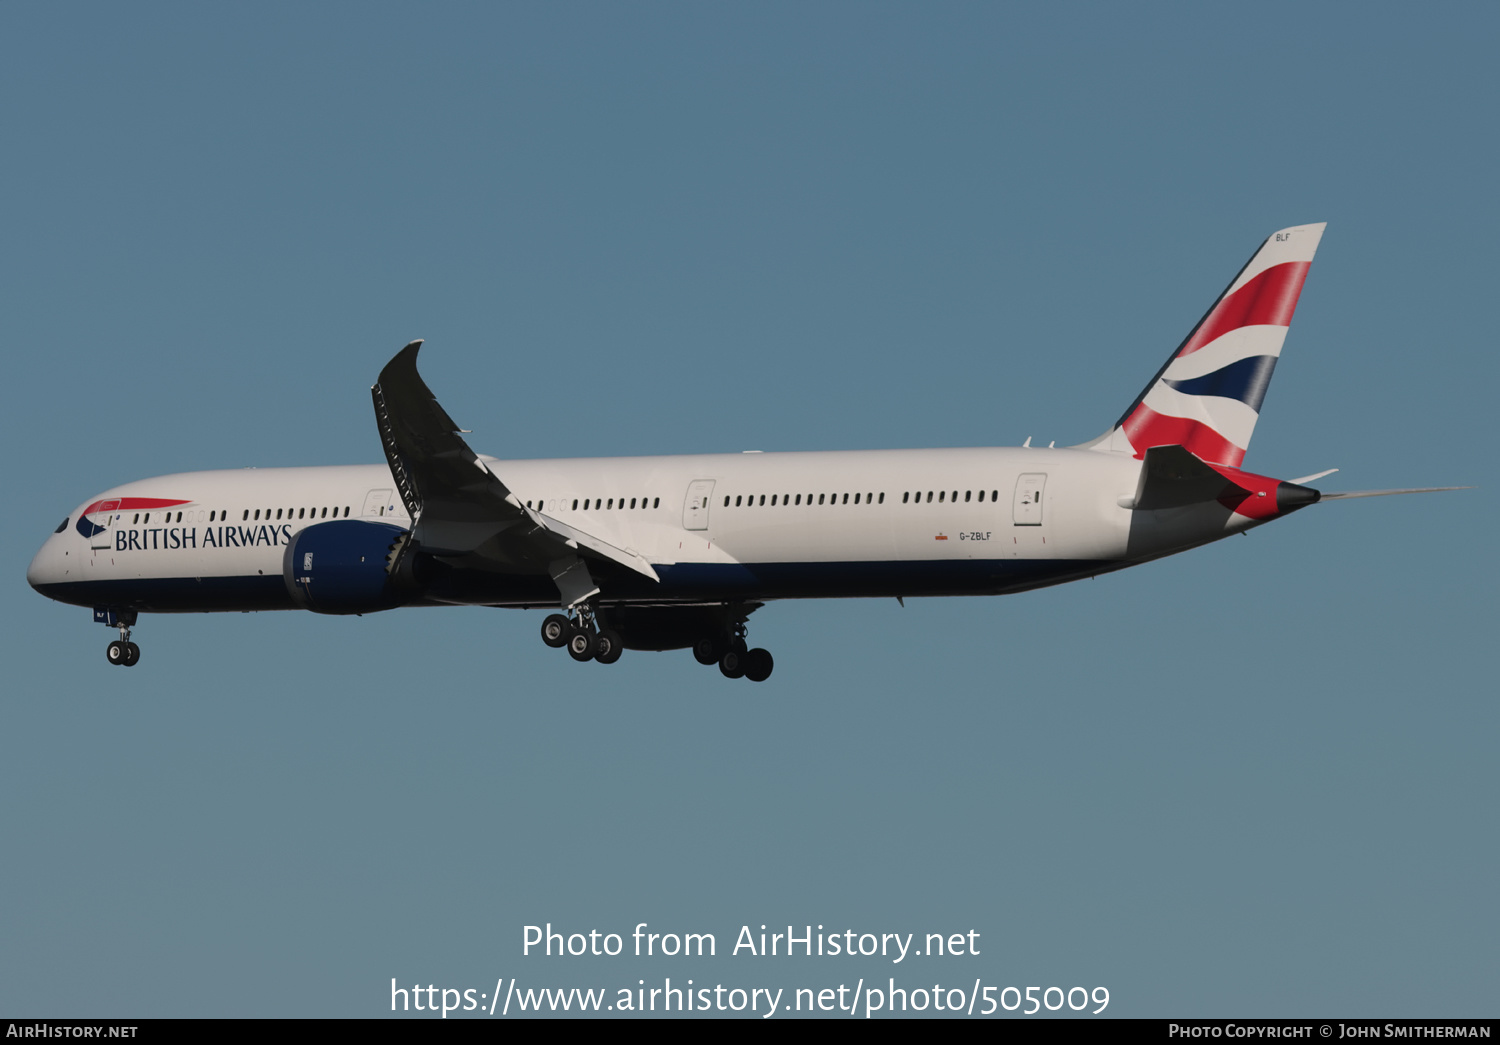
point(1207, 397)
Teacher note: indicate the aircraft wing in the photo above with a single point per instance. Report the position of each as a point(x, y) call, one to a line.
point(458, 506)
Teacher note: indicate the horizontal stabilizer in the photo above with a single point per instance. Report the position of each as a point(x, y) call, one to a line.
point(1386, 493)
point(1172, 477)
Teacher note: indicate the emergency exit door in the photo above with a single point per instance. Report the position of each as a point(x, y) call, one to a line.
point(1027, 507)
point(695, 507)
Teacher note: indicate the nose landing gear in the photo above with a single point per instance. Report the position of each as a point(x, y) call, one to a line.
point(122, 651)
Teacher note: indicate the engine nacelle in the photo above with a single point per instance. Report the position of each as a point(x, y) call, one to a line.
point(344, 567)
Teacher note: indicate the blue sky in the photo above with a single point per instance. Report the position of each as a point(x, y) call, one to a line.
point(1255, 779)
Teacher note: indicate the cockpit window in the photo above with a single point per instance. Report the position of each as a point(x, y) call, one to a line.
point(62, 526)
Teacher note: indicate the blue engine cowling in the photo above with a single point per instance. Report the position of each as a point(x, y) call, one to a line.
point(343, 567)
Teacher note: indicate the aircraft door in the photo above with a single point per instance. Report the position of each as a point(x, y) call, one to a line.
point(1027, 507)
point(104, 516)
point(695, 507)
point(376, 502)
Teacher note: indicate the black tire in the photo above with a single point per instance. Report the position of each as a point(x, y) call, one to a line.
point(116, 652)
point(758, 665)
point(582, 644)
point(708, 650)
point(555, 630)
point(608, 646)
point(132, 654)
point(732, 664)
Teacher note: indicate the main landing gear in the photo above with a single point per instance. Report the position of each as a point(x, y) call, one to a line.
point(733, 655)
point(122, 651)
point(582, 636)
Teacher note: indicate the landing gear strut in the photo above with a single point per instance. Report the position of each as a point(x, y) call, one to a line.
point(583, 636)
point(122, 651)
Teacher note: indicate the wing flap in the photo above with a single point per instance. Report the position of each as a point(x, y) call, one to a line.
point(603, 549)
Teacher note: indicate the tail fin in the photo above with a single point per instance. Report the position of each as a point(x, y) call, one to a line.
point(1207, 396)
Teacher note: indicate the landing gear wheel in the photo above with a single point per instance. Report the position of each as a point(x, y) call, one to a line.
point(555, 630)
point(582, 644)
point(116, 652)
point(608, 647)
point(132, 654)
point(758, 665)
point(708, 650)
point(732, 663)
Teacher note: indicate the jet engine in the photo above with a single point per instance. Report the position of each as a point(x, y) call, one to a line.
point(348, 566)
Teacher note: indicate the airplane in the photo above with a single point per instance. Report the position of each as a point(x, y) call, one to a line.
point(676, 552)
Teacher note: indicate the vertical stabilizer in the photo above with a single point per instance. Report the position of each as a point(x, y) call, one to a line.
point(1207, 397)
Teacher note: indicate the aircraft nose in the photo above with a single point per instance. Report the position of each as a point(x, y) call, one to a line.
point(43, 569)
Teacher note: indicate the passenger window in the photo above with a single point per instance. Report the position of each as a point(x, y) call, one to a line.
point(656, 502)
point(994, 495)
point(941, 494)
point(820, 498)
point(846, 498)
point(882, 497)
point(737, 500)
point(762, 499)
point(929, 496)
point(967, 495)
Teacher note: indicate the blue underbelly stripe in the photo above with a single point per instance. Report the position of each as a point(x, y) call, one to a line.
point(679, 582)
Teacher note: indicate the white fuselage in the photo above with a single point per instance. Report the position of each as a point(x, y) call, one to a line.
point(715, 527)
